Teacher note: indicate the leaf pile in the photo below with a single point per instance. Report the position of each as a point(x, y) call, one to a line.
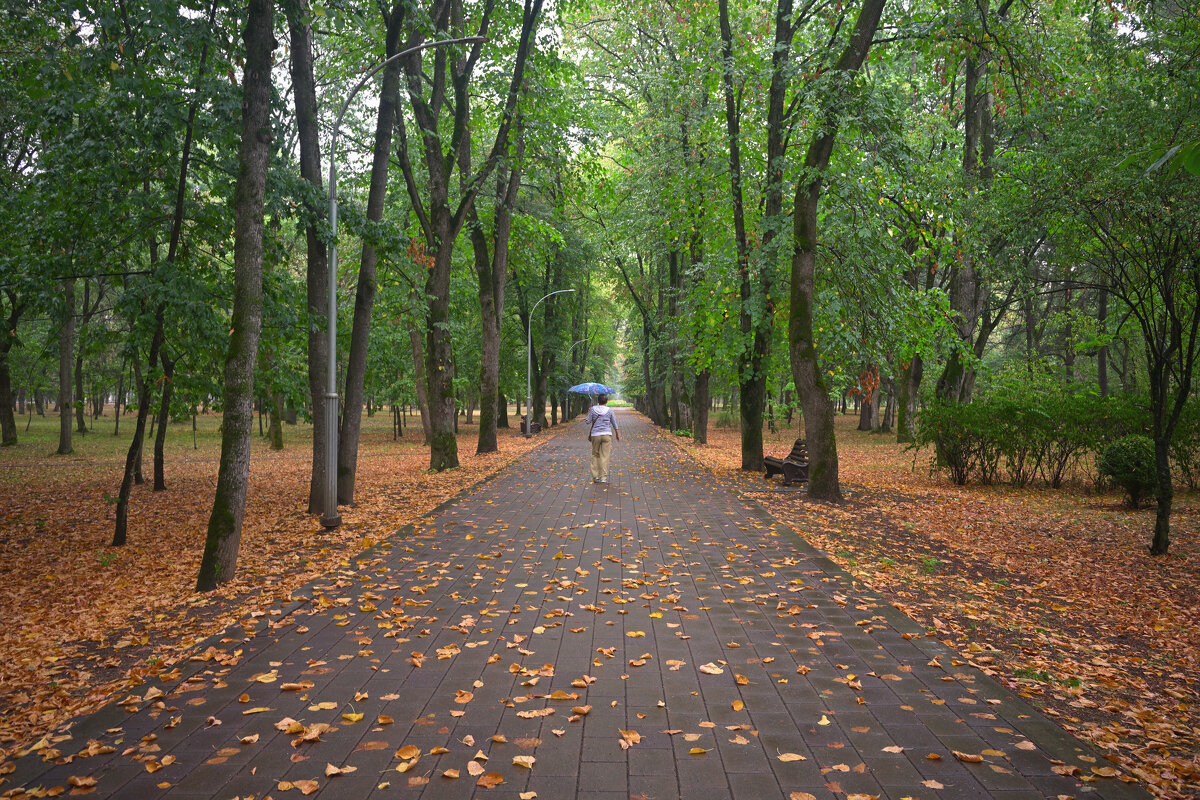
point(1051, 592)
point(84, 621)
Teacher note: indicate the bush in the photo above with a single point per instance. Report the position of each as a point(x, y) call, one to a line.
point(1130, 463)
point(726, 418)
point(1185, 445)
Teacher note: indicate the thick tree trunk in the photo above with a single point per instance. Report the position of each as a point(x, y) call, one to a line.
point(8, 423)
point(317, 274)
point(66, 354)
point(806, 368)
point(439, 358)
point(221, 546)
point(364, 296)
point(501, 410)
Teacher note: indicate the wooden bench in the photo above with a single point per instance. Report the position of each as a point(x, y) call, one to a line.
point(793, 468)
point(537, 427)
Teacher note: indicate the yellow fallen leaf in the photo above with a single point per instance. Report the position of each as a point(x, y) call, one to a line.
point(791, 757)
point(970, 758)
point(306, 787)
point(352, 718)
point(524, 761)
point(738, 705)
point(331, 770)
point(408, 751)
point(824, 720)
point(697, 751)
point(451, 773)
point(257, 710)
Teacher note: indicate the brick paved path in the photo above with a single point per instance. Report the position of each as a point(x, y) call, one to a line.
point(719, 654)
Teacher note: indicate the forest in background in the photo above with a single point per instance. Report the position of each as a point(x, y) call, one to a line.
point(918, 206)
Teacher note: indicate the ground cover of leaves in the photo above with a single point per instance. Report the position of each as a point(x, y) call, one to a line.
point(1052, 592)
point(83, 620)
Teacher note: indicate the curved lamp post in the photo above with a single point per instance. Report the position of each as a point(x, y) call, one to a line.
point(330, 517)
point(529, 365)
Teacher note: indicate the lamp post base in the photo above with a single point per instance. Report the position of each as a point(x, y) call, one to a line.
point(331, 522)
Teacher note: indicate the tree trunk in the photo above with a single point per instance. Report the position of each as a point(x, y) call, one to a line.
point(806, 368)
point(439, 359)
point(1166, 496)
point(66, 353)
point(907, 394)
point(133, 458)
point(317, 274)
point(492, 273)
point(418, 351)
point(501, 410)
point(275, 432)
point(219, 561)
point(364, 296)
point(164, 416)
point(700, 404)
point(80, 405)
point(8, 423)
point(1102, 351)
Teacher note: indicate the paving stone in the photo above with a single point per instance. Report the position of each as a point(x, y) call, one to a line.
point(660, 538)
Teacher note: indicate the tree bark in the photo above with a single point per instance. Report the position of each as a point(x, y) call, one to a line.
point(164, 416)
point(806, 369)
point(440, 223)
point(491, 269)
point(418, 351)
point(907, 395)
point(66, 353)
point(317, 274)
point(364, 296)
point(219, 561)
point(85, 313)
point(8, 423)
point(700, 403)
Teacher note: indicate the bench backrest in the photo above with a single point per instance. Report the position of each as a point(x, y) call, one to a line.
point(799, 451)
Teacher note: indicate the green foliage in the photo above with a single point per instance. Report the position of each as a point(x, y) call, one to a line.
point(1129, 461)
point(1027, 426)
point(727, 418)
point(1185, 445)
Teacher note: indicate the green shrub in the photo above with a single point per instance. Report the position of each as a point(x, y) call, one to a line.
point(726, 418)
point(1130, 463)
point(1185, 445)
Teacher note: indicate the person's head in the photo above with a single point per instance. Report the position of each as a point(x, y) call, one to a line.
point(601, 399)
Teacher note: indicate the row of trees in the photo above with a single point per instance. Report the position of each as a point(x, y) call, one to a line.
point(809, 199)
point(751, 199)
point(168, 237)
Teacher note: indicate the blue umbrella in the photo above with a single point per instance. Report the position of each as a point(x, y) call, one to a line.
point(592, 388)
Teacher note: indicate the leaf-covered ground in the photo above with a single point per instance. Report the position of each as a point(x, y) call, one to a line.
point(1052, 592)
point(83, 620)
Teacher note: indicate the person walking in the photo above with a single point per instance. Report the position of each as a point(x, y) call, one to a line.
point(602, 427)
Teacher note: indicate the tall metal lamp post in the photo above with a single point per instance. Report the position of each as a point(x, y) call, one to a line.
point(330, 518)
point(529, 365)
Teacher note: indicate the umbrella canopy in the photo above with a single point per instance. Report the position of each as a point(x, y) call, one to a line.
point(592, 388)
